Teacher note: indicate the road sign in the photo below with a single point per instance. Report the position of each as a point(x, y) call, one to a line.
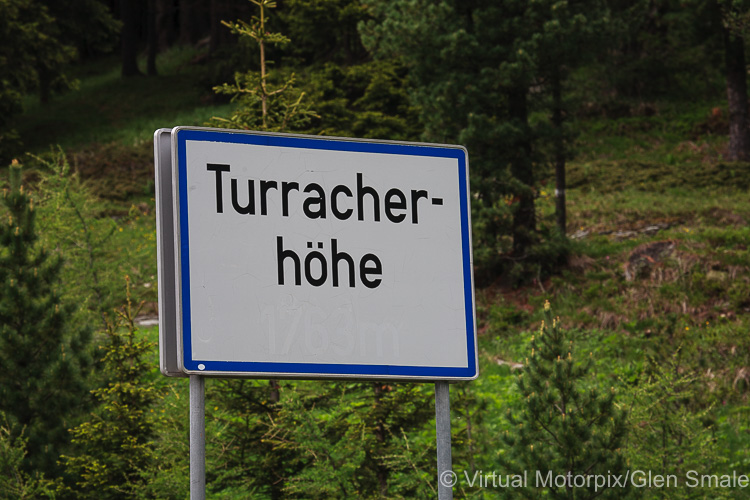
point(316, 257)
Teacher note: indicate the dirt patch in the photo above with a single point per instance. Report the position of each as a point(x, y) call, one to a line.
point(644, 258)
point(116, 172)
point(723, 217)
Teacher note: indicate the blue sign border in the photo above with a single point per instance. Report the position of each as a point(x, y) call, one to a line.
point(315, 370)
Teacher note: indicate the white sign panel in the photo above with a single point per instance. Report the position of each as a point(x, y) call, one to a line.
point(313, 257)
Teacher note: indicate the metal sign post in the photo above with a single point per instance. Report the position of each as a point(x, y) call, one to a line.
point(446, 476)
point(197, 438)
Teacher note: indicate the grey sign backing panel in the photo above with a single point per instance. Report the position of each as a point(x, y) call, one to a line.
point(165, 241)
point(213, 146)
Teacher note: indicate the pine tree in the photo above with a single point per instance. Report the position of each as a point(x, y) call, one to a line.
point(25, 44)
point(472, 65)
point(15, 483)
point(261, 104)
point(561, 427)
point(43, 365)
point(355, 440)
point(671, 434)
point(248, 459)
point(325, 30)
point(567, 34)
point(115, 447)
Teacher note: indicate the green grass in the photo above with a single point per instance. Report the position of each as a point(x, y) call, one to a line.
point(108, 108)
point(675, 133)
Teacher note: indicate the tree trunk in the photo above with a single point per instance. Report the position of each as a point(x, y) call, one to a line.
point(129, 37)
point(275, 391)
point(216, 27)
point(381, 470)
point(739, 136)
point(524, 217)
point(153, 38)
point(560, 153)
point(45, 86)
point(187, 22)
point(165, 23)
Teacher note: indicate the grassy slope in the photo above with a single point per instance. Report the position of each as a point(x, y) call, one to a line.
point(637, 181)
point(107, 108)
point(663, 171)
